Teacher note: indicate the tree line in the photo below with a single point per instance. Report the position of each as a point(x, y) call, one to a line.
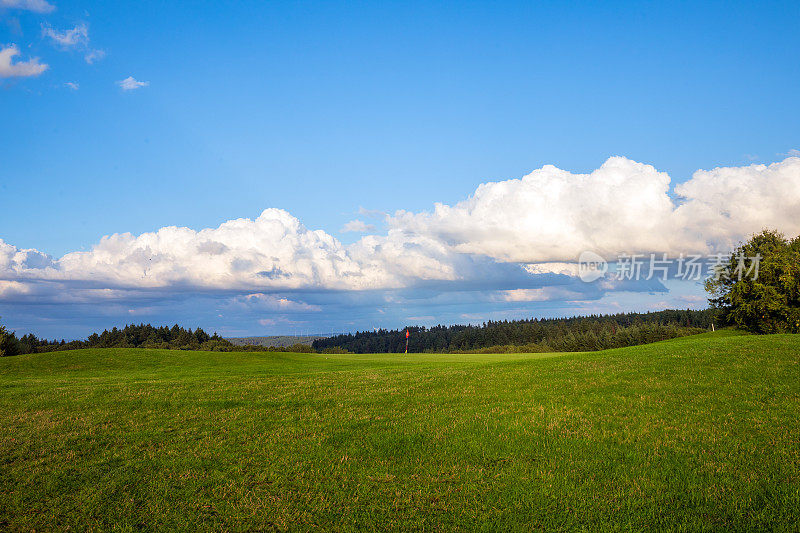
point(580, 333)
point(133, 336)
point(594, 332)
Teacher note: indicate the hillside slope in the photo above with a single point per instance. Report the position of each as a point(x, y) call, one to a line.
point(693, 433)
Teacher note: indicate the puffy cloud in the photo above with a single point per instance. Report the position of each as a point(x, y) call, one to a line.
point(131, 84)
point(37, 6)
point(400, 259)
point(357, 226)
point(19, 69)
point(72, 85)
point(15, 261)
point(552, 215)
point(274, 251)
point(516, 236)
point(725, 204)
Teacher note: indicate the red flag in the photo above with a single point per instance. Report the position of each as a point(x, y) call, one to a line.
point(407, 333)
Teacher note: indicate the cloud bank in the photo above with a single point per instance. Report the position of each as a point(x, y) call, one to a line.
point(504, 237)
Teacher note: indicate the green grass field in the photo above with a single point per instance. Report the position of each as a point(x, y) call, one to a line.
point(694, 433)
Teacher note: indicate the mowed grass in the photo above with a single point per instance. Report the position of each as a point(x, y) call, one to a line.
point(694, 433)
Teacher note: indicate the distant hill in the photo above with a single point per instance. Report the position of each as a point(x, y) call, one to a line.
point(274, 341)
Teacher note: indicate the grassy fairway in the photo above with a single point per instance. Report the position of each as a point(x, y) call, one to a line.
point(695, 433)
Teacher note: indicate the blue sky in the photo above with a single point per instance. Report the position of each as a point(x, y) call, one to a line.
point(321, 109)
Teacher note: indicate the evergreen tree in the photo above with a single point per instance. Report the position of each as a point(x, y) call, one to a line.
point(9, 345)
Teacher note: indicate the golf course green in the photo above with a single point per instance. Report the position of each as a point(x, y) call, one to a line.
point(694, 433)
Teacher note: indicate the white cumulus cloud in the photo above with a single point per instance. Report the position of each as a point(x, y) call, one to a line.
point(18, 69)
point(274, 251)
point(725, 204)
point(552, 215)
point(504, 234)
point(130, 84)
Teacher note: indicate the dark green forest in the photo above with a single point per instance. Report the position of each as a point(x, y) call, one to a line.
point(595, 332)
point(133, 336)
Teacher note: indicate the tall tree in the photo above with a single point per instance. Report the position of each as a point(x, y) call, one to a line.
point(758, 289)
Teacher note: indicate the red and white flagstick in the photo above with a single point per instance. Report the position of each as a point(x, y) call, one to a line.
point(407, 335)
